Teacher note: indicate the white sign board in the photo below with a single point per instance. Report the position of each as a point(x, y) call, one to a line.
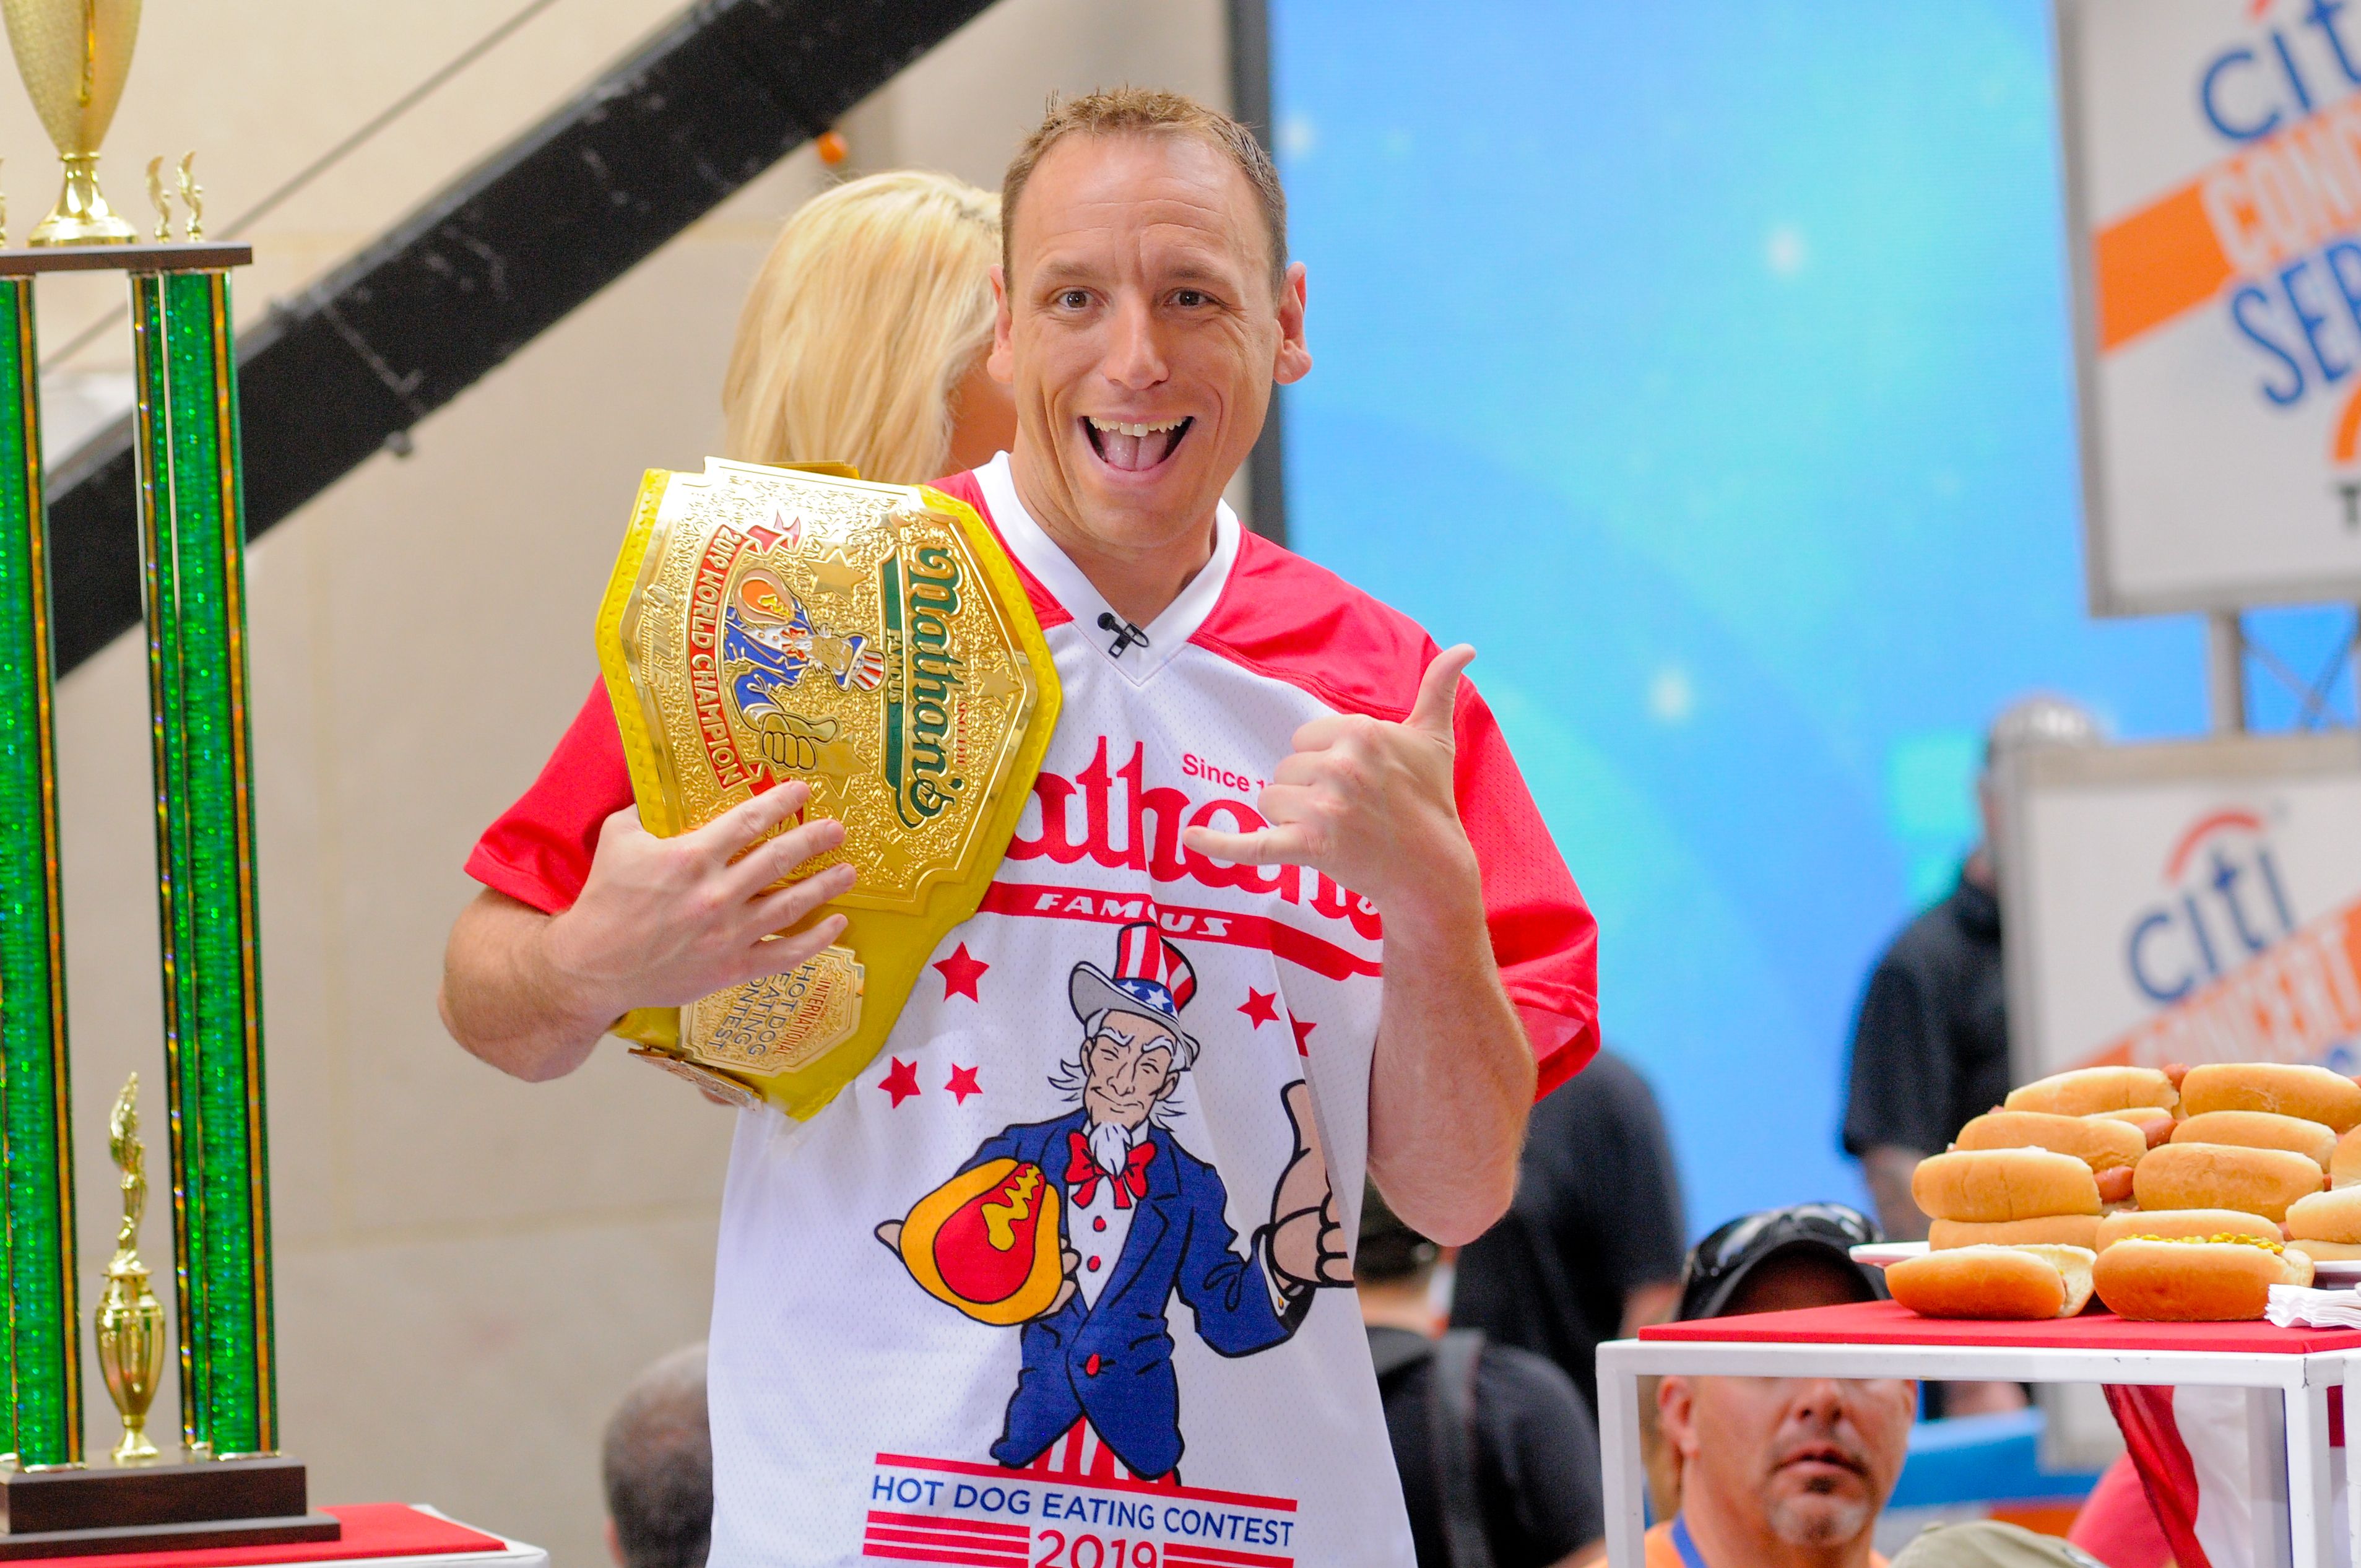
point(2191, 902)
point(2213, 152)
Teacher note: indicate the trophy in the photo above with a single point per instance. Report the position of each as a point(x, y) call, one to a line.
point(228, 1484)
point(74, 56)
point(770, 625)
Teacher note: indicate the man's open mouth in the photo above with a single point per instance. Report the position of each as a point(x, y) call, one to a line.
point(1135, 447)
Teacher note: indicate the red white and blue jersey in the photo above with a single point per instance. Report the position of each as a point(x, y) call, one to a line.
point(1190, 1402)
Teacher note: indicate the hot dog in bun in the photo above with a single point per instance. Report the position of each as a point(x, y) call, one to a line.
point(2052, 1230)
point(2091, 1089)
point(2260, 1130)
point(2027, 1282)
point(1989, 1186)
point(2154, 1124)
point(2314, 1094)
point(2185, 1280)
point(2219, 1176)
point(2170, 1224)
point(2327, 1226)
point(2344, 1164)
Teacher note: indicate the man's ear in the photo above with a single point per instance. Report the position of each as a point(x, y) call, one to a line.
point(1000, 363)
point(1294, 359)
point(1676, 1415)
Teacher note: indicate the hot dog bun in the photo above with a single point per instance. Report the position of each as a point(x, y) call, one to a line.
point(2219, 1176)
point(1993, 1185)
point(2088, 1091)
point(2326, 1217)
point(2052, 1230)
point(2172, 1223)
point(2260, 1130)
point(2099, 1143)
point(2344, 1164)
point(2194, 1281)
point(2032, 1282)
point(2328, 1252)
point(2314, 1094)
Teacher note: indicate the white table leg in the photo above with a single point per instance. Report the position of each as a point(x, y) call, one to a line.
point(2268, 1431)
point(1622, 1471)
point(2347, 1392)
point(2311, 1524)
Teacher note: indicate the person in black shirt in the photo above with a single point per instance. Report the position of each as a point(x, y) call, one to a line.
point(1930, 1045)
point(1498, 1454)
point(1591, 1249)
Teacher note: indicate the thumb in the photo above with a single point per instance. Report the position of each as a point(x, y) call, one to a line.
point(1438, 691)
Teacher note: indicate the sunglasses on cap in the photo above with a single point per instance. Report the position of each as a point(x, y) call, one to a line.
point(1718, 1265)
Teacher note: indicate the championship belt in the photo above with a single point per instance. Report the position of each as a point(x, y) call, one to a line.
point(768, 625)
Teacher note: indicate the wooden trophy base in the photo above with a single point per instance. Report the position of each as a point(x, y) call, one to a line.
point(158, 1507)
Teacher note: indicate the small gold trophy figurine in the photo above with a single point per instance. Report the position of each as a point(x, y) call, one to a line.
point(130, 1319)
point(74, 56)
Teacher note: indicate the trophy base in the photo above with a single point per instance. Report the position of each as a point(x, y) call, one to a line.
point(158, 1507)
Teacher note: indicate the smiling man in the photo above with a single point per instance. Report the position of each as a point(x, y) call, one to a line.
point(1384, 957)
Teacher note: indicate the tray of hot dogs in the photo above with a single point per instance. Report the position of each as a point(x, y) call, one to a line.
point(2172, 1195)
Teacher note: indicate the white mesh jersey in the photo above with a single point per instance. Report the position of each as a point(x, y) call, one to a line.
point(1190, 1400)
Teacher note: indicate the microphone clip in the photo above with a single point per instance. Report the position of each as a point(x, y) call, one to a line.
point(1126, 633)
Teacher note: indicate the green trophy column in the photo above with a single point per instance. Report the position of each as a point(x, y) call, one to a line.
point(42, 1349)
point(192, 536)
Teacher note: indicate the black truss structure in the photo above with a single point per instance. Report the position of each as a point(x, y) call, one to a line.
point(494, 260)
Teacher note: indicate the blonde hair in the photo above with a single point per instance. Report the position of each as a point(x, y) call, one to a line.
point(873, 303)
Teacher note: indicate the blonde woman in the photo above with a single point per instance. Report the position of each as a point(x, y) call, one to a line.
point(864, 338)
point(862, 341)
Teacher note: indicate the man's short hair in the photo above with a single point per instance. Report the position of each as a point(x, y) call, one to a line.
point(658, 1460)
point(1390, 1250)
point(1147, 111)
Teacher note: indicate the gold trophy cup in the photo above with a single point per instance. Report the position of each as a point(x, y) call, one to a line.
point(130, 1319)
point(74, 56)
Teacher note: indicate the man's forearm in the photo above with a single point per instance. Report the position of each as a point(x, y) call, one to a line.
point(1452, 1080)
point(1888, 1168)
point(501, 999)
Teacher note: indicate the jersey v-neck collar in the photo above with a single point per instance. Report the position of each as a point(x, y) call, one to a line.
point(1049, 565)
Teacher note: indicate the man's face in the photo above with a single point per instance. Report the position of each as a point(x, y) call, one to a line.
point(1808, 1461)
point(1141, 295)
point(1126, 1068)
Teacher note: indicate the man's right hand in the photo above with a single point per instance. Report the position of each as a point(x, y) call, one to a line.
point(660, 923)
point(663, 922)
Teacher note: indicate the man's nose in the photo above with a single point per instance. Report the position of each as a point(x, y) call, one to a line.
point(1134, 357)
point(1820, 1401)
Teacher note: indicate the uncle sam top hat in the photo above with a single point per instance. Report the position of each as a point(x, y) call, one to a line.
point(1152, 978)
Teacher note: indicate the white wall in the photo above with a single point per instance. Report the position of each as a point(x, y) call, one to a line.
point(469, 1270)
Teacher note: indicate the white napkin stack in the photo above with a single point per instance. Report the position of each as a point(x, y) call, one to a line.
point(2303, 1307)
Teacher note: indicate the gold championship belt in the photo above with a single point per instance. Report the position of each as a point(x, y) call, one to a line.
point(769, 625)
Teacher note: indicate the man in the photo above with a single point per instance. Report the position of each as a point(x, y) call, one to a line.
point(1779, 1472)
point(1931, 1047)
point(1591, 1249)
point(657, 1463)
point(1489, 1439)
point(1389, 955)
point(1142, 1209)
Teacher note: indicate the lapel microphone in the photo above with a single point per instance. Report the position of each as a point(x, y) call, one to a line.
point(1126, 633)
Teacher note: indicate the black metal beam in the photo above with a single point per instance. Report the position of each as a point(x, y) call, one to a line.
point(1250, 105)
point(494, 260)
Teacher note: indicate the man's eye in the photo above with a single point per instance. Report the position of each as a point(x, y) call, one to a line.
point(1188, 298)
point(1073, 299)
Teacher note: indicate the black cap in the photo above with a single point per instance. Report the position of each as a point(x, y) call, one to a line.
point(1721, 1264)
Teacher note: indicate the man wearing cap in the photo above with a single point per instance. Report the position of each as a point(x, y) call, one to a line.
point(1385, 959)
point(1779, 1472)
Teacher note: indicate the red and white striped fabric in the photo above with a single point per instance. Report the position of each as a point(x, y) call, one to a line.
point(2189, 1445)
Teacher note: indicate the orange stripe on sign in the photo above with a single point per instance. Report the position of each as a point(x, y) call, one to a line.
point(2157, 264)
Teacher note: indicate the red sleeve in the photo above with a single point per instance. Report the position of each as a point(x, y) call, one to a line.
point(539, 852)
point(1543, 937)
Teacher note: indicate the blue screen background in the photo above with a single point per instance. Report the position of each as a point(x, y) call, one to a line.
point(1707, 367)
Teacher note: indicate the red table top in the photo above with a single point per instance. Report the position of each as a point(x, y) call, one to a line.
point(371, 1530)
point(1888, 1322)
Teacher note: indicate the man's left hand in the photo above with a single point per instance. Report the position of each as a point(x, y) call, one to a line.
point(1370, 802)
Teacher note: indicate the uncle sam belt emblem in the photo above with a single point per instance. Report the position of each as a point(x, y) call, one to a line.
point(766, 626)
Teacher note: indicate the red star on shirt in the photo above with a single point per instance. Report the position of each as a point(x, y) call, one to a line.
point(1260, 1006)
point(902, 1082)
point(960, 972)
point(1302, 1028)
point(963, 1083)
